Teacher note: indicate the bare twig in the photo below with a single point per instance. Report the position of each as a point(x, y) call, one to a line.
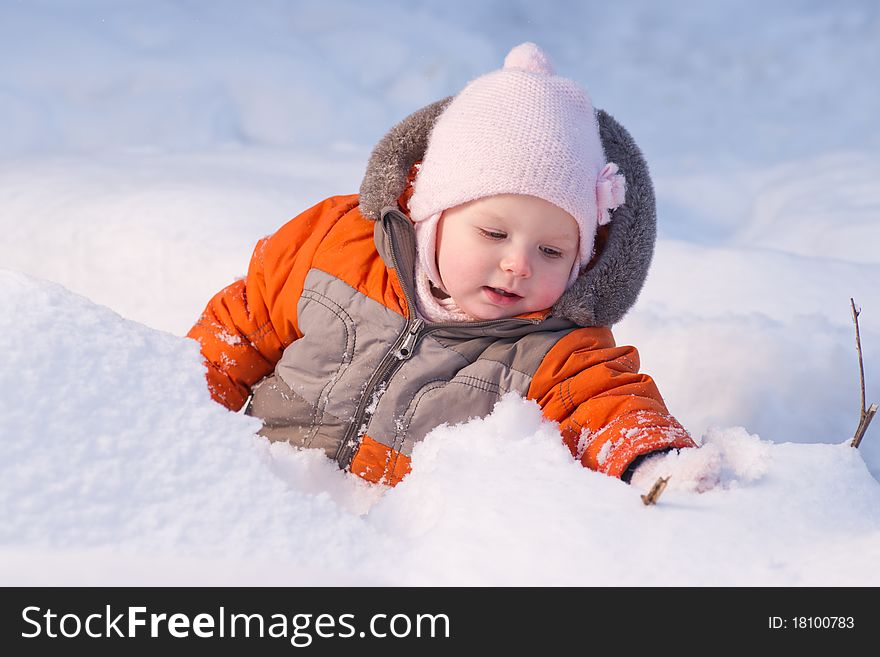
point(863, 425)
point(855, 314)
point(865, 416)
point(656, 491)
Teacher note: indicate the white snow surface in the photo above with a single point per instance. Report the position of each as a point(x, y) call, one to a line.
point(147, 146)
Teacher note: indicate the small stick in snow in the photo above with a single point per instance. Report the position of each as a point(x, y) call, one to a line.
point(865, 417)
point(655, 492)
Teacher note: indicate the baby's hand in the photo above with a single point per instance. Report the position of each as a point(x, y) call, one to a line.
point(691, 469)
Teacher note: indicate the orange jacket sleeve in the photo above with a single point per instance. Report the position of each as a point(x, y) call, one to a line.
point(608, 413)
point(247, 325)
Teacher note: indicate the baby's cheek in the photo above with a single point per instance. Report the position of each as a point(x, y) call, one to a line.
point(550, 299)
point(550, 291)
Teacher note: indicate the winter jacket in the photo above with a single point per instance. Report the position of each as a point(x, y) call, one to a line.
point(323, 335)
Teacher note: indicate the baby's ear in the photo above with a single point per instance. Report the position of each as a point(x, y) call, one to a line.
point(598, 245)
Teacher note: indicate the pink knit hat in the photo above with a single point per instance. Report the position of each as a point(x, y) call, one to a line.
point(518, 130)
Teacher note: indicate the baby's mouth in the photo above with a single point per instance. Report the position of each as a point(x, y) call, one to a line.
point(503, 293)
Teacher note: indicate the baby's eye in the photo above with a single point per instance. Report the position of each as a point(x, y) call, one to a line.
point(550, 252)
point(493, 234)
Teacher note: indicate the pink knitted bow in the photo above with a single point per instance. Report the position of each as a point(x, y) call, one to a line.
point(610, 192)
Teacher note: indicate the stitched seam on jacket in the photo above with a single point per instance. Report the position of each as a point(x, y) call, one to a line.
point(288, 395)
point(324, 394)
point(570, 404)
point(481, 357)
point(320, 299)
point(259, 332)
point(454, 350)
point(401, 432)
point(504, 365)
point(580, 427)
point(566, 397)
point(489, 385)
point(451, 348)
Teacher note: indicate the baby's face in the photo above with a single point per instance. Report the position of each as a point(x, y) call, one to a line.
point(506, 255)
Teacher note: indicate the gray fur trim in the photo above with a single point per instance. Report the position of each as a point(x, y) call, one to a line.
point(393, 157)
point(601, 295)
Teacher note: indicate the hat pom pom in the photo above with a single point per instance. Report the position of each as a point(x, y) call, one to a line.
point(528, 57)
point(610, 192)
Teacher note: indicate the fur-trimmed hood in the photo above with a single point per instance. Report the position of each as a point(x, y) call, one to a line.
point(609, 286)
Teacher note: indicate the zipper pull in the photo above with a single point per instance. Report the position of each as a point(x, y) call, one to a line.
point(405, 350)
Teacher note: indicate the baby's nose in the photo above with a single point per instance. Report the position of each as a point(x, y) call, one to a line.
point(517, 263)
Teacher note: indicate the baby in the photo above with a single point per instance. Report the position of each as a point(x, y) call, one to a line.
point(491, 247)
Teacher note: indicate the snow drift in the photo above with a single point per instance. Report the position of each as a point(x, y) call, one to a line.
point(119, 469)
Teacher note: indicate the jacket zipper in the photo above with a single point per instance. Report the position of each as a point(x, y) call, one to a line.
point(401, 351)
point(410, 338)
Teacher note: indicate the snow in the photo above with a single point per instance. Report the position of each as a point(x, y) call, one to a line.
point(148, 146)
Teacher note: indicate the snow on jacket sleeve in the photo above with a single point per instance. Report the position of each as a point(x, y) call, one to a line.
point(247, 325)
point(608, 413)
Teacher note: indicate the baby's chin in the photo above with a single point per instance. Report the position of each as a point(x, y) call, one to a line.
point(486, 311)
